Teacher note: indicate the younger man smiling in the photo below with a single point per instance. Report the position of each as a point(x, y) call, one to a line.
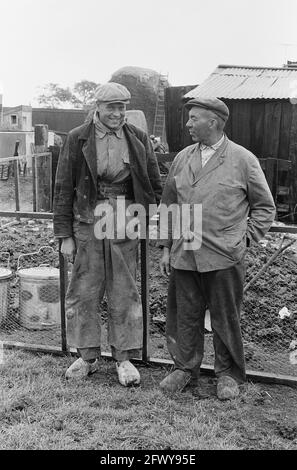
point(102, 160)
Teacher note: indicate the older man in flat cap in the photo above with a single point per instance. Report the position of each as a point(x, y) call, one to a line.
point(206, 266)
point(104, 164)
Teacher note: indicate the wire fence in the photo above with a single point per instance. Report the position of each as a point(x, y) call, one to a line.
point(26, 182)
point(269, 310)
point(31, 288)
point(30, 298)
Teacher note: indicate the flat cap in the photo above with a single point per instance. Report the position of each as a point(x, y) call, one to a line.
point(112, 93)
point(212, 104)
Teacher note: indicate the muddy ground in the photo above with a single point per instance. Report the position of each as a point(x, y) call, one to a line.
point(8, 194)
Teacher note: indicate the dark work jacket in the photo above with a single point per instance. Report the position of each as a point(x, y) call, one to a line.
point(75, 193)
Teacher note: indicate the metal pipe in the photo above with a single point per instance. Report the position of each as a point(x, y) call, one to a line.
point(63, 286)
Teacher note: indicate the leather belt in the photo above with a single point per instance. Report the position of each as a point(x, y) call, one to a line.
point(106, 190)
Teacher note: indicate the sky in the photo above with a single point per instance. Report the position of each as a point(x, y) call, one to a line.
point(65, 41)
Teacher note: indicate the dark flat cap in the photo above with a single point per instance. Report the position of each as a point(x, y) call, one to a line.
point(212, 104)
point(112, 92)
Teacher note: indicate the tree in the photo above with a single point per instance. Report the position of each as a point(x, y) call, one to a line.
point(54, 96)
point(84, 92)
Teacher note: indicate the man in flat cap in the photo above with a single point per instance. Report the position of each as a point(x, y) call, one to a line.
point(206, 267)
point(104, 164)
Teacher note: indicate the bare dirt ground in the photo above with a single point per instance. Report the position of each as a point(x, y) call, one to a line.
point(7, 194)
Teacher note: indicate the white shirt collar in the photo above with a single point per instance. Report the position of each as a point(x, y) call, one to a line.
point(103, 130)
point(214, 146)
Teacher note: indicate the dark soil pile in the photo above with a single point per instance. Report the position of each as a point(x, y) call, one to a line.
point(28, 236)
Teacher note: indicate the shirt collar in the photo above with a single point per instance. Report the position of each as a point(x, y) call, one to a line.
point(214, 146)
point(102, 130)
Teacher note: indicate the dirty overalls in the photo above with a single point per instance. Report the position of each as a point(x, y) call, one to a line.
point(106, 265)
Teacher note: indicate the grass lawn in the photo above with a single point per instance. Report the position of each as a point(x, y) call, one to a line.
point(39, 409)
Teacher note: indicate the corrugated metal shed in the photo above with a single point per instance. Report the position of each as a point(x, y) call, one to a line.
point(239, 82)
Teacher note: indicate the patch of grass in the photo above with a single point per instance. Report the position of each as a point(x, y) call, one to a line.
point(39, 409)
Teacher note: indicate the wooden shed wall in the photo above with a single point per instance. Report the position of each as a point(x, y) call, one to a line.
point(62, 120)
point(262, 126)
point(266, 127)
point(175, 118)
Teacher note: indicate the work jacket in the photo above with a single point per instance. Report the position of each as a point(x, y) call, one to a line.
point(75, 193)
point(235, 201)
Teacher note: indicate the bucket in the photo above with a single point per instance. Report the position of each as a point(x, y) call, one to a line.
point(39, 297)
point(5, 276)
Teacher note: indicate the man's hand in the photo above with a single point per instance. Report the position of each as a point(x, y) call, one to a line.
point(68, 248)
point(165, 263)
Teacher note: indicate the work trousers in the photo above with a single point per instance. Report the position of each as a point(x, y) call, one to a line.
point(189, 294)
point(104, 266)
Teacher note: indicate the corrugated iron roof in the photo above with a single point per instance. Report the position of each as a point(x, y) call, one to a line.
point(238, 82)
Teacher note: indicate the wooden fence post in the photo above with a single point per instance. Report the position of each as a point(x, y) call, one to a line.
point(42, 180)
point(55, 151)
point(16, 178)
point(34, 183)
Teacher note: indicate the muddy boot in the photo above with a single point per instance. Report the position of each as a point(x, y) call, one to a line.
point(127, 373)
point(81, 369)
point(227, 388)
point(176, 381)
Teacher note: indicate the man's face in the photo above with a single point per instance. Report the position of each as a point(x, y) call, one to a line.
point(112, 115)
point(199, 124)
